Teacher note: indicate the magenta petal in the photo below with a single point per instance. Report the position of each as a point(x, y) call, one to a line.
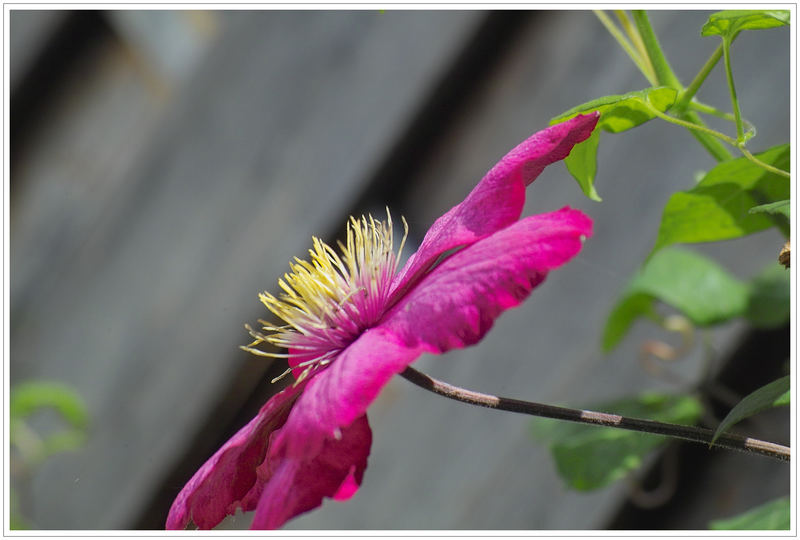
point(498, 199)
point(223, 483)
point(342, 392)
point(298, 485)
point(457, 302)
point(348, 487)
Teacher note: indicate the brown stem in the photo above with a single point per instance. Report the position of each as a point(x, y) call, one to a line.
point(689, 433)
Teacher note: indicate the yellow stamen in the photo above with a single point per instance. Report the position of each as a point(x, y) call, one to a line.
point(327, 301)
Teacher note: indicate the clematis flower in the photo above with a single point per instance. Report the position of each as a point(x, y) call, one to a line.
point(351, 321)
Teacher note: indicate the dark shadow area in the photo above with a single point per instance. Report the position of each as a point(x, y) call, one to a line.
point(759, 359)
point(62, 54)
point(471, 72)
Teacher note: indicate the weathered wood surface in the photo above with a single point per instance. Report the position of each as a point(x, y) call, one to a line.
point(271, 140)
point(438, 464)
point(142, 310)
point(32, 31)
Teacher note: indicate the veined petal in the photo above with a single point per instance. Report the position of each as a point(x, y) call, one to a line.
point(298, 485)
point(453, 306)
point(498, 199)
point(340, 394)
point(457, 302)
point(350, 327)
point(227, 479)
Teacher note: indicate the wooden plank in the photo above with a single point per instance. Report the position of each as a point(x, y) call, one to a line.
point(31, 30)
point(289, 115)
point(436, 464)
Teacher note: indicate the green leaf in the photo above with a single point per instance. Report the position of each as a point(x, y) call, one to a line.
point(768, 396)
point(781, 207)
point(582, 164)
point(27, 398)
point(730, 22)
point(622, 112)
point(784, 399)
point(772, 516)
point(630, 307)
point(695, 285)
point(617, 113)
point(708, 215)
point(591, 457)
point(717, 208)
point(747, 175)
point(769, 302)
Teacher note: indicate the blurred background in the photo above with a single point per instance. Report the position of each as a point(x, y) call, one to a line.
point(166, 166)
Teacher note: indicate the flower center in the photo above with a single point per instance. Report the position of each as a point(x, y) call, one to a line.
point(329, 301)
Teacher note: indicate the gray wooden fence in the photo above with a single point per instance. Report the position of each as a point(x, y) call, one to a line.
point(185, 157)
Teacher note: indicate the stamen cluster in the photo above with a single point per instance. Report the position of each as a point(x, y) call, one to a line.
point(329, 301)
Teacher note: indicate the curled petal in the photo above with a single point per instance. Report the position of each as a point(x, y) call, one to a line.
point(228, 479)
point(312, 440)
point(349, 486)
point(497, 200)
point(455, 304)
point(298, 485)
point(342, 392)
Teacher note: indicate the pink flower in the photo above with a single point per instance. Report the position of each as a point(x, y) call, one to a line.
point(351, 322)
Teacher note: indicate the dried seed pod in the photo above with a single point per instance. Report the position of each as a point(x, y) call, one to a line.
point(784, 257)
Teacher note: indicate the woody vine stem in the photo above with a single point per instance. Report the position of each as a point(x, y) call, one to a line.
point(689, 433)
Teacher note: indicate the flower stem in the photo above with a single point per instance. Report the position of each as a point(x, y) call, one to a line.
point(763, 165)
point(726, 50)
point(712, 145)
point(665, 76)
point(663, 71)
point(722, 136)
point(641, 62)
point(713, 111)
point(638, 54)
point(689, 433)
point(687, 94)
point(691, 126)
point(636, 38)
point(708, 109)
